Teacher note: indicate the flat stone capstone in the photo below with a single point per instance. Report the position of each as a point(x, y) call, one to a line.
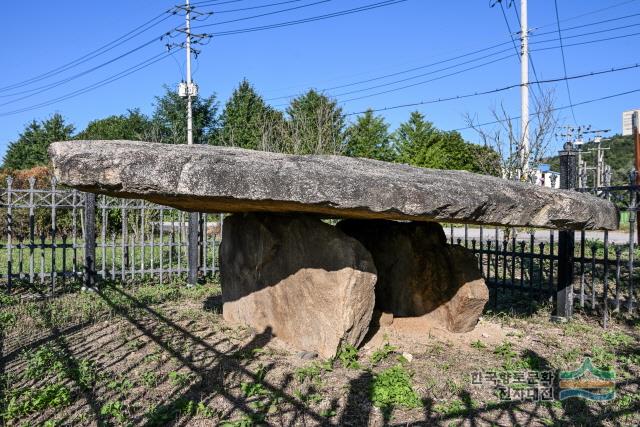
point(213, 179)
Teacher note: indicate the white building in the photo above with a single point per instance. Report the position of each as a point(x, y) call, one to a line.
point(545, 177)
point(627, 121)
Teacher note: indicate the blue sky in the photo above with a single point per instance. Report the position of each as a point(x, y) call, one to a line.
point(43, 35)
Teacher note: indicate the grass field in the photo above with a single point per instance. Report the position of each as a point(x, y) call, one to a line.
point(162, 355)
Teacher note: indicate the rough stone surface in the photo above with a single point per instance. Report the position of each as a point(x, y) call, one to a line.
point(219, 179)
point(297, 277)
point(419, 274)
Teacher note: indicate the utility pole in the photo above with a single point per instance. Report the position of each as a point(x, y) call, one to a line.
point(189, 82)
point(524, 88)
point(636, 163)
point(190, 91)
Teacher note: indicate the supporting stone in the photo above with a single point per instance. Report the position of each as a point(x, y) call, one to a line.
point(297, 277)
point(420, 275)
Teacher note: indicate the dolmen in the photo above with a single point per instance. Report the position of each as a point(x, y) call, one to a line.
point(314, 244)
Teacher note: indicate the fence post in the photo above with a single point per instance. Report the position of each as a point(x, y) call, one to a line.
point(192, 242)
point(566, 238)
point(89, 240)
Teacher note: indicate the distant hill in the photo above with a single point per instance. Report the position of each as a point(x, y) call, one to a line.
point(619, 157)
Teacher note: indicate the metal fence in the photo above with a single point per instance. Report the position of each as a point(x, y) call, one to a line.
point(528, 263)
point(43, 248)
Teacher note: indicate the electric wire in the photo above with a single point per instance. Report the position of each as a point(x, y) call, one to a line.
point(306, 20)
point(92, 54)
point(242, 9)
point(564, 62)
point(501, 89)
point(274, 12)
point(564, 107)
point(537, 42)
point(144, 64)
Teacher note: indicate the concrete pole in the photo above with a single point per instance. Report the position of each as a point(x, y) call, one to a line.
point(524, 88)
point(188, 49)
point(192, 243)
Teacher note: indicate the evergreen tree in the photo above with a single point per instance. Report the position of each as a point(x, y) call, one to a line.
point(243, 118)
point(30, 149)
point(369, 137)
point(170, 118)
point(414, 138)
point(133, 126)
point(420, 143)
point(315, 125)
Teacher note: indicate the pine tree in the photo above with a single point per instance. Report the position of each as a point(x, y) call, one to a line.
point(30, 149)
point(315, 125)
point(414, 138)
point(420, 143)
point(369, 137)
point(243, 118)
point(169, 119)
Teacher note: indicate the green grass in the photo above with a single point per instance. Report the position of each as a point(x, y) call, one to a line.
point(348, 357)
point(382, 353)
point(392, 387)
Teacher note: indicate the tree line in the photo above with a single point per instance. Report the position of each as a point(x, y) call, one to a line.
point(312, 123)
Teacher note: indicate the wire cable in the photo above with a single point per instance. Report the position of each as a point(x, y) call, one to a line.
point(564, 62)
point(501, 89)
point(144, 64)
point(45, 88)
point(92, 54)
point(242, 9)
point(535, 113)
point(245, 18)
point(306, 20)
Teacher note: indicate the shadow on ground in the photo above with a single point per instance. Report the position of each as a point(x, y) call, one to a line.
point(174, 364)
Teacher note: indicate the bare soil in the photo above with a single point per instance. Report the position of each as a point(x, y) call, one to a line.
point(164, 356)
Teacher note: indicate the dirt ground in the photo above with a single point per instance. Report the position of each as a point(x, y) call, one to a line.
point(162, 355)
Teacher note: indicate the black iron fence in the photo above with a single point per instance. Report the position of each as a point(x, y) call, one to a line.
point(49, 239)
point(527, 261)
point(51, 245)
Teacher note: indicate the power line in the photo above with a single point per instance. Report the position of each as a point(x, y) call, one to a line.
point(417, 76)
point(242, 9)
point(421, 67)
point(310, 19)
point(564, 62)
point(213, 3)
point(502, 58)
point(94, 53)
point(436, 78)
point(144, 64)
point(501, 89)
point(608, 8)
point(590, 101)
point(585, 42)
point(262, 14)
point(45, 88)
point(357, 83)
point(590, 24)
